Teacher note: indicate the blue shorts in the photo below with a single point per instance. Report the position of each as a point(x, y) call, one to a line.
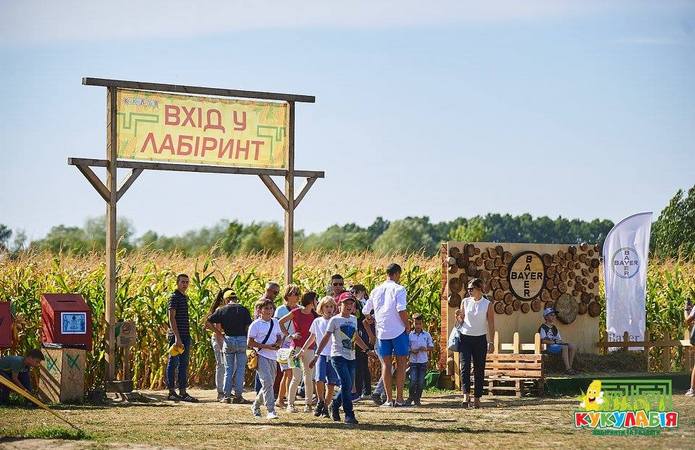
point(398, 346)
point(325, 371)
point(554, 349)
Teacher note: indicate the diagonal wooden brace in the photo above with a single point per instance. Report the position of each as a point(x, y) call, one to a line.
point(309, 182)
point(94, 181)
point(275, 190)
point(134, 174)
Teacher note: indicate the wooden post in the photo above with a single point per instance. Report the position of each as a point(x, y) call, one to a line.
point(666, 353)
point(626, 340)
point(604, 344)
point(289, 194)
point(537, 343)
point(496, 343)
point(646, 347)
point(111, 242)
point(516, 347)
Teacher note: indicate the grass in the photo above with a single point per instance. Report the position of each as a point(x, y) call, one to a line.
point(440, 423)
point(45, 432)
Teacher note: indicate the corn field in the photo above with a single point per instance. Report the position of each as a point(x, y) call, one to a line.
point(146, 279)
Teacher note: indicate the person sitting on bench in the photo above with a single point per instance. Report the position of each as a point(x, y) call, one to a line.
point(554, 345)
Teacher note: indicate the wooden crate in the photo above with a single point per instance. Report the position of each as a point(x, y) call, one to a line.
point(62, 375)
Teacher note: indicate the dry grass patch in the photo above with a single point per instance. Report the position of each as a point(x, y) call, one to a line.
point(440, 423)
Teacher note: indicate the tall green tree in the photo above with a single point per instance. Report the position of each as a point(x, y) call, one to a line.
point(673, 234)
point(406, 236)
point(5, 234)
point(472, 231)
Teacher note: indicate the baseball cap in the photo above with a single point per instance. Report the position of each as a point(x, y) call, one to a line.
point(345, 296)
point(548, 311)
point(228, 294)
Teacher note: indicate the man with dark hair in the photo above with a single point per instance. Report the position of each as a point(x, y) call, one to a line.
point(180, 338)
point(388, 300)
point(336, 286)
point(16, 369)
point(234, 320)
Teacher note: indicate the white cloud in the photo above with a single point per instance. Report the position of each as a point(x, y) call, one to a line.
point(33, 21)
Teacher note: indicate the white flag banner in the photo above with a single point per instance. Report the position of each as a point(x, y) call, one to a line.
point(625, 253)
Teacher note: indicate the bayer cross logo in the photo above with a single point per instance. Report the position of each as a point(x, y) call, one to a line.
point(626, 262)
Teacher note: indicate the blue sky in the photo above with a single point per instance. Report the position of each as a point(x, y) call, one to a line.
point(446, 109)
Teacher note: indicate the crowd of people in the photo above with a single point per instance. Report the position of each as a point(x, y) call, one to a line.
point(323, 346)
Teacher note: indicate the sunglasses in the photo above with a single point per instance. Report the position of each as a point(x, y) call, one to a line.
point(338, 284)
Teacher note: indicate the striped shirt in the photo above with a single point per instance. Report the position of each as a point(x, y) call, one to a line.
point(179, 303)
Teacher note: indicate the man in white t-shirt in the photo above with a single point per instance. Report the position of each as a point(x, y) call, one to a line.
point(388, 301)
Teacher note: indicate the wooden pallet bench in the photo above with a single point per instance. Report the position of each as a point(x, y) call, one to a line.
point(514, 372)
point(509, 370)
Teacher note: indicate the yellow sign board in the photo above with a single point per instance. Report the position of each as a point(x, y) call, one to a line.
point(189, 129)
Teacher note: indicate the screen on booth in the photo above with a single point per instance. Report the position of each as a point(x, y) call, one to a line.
point(73, 323)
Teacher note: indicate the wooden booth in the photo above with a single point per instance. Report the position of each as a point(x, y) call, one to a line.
point(521, 280)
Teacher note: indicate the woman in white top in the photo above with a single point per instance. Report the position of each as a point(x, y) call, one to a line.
point(475, 320)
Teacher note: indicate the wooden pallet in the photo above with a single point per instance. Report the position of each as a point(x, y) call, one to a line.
point(516, 373)
point(513, 385)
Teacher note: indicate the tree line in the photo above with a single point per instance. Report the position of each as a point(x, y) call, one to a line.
point(673, 234)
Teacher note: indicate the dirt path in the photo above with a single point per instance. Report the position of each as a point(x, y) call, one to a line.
point(440, 423)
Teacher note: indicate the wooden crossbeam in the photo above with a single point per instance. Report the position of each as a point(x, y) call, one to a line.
point(183, 89)
point(129, 164)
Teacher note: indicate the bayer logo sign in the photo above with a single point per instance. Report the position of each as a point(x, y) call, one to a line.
point(626, 262)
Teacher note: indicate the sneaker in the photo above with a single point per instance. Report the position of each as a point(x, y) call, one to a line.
point(226, 400)
point(388, 404)
point(366, 396)
point(326, 413)
point(291, 409)
point(281, 403)
point(335, 412)
point(356, 397)
point(351, 421)
point(376, 398)
point(319, 409)
point(271, 416)
point(399, 404)
point(308, 408)
point(418, 403)
point(690, 393)
point(239, 400)
point(185, 397)
point(408, 402)
point(173, 396)
point(256, 413)
point(220, 396)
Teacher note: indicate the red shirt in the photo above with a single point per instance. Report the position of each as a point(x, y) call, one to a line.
point(302, 323)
